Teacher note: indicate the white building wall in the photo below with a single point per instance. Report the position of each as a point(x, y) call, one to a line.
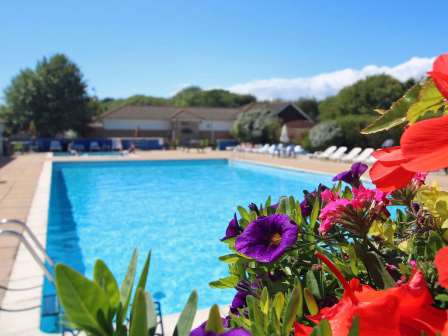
point(215, 125)
point(130, 124)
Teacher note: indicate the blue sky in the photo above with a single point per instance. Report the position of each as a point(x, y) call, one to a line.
point(157, 47)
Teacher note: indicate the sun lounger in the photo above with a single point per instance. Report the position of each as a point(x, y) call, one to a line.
point(55, 146)
point(365, 154)
point(338, 154)
point(117, 145)
point(352, 154)
point(94, 146)
point(325, 154)
point(298, 150)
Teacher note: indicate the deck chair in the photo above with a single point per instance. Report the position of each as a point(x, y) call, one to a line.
point(94, 146)
point(338, 154)
point(352, 154)
point(117, 145)
point(365, 154)
point(325, 154)
point(55, 146)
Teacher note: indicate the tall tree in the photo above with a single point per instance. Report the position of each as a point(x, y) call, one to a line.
point(310, 106)
point(361, 98)
point(53, 97)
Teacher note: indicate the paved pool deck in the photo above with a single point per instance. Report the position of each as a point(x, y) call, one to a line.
point(24, 194)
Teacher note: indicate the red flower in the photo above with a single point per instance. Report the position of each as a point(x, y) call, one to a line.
point(425, 145)
point(441, 262)
point(388, 173)
point(439, 74)
point(400, 311)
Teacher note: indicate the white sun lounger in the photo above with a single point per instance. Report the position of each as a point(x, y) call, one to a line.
point(365, 154)
point(338, 154)
point(326, 153)
point(117, 145)
point(55, 146)
point(352, 154)
point(94, 146)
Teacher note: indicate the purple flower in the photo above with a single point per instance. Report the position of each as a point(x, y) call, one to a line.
point(352, 175)
point(200, 331)
point(306, 207)
point(253, 207)
point(266, 238)
point(233, 229)
point(239, 301)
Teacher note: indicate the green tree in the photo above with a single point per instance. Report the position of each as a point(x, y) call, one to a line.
point(257, 127)
point(195, 96)
point(53, 97)
point(361, 98)
point(310, 106)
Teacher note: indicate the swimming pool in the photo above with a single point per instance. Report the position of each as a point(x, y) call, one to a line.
point(177, 209)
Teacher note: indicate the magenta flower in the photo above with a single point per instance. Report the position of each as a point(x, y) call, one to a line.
point(233, 229)
point(331, 213)
point(200, 331)
point(352, 175)
point(267, 237)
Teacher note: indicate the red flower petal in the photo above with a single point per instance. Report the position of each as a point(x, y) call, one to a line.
point(389, 178)
point(425, 145)
point(439, 74)
point(390, 155)
point(441, 262)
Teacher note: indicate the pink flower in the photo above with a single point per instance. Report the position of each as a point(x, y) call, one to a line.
point(330, 213)
point(327, 196)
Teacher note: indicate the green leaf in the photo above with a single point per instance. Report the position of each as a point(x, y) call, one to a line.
point(429, 99)
point(139, 321)
point(105, 279)
point(126, 286)
point(292, 309)
point(354, 330)
point(310, 301)
point(144, 275)
point(396, 115)
point(264, 301)
point(230, 258)
point(214, 322)
point(228, 282)
point(375, 267)
point(151, 315)
point(315, 213)
point(278, 303)
point(244, 214)
point(186, 318)
point(322, 329)
point(81, 299)
point(312, 284)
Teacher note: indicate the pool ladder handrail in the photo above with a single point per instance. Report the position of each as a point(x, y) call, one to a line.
point(14, 231)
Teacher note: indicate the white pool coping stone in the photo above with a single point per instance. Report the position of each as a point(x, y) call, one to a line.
point(26, 272)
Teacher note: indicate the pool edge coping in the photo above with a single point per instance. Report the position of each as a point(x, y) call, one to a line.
point(25, 270)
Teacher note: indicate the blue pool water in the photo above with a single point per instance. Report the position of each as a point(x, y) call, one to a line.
point(177, 209)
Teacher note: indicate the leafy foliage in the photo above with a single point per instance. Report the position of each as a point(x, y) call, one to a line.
point(361, 98)
point(53, 97)
point(324, 134)
point(98, 307)
point(257, 126)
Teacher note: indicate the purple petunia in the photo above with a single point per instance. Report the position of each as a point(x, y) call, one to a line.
point(239, 301)
point(200, 331)
point(233, 229)
point(352, 175)
point(266, 238)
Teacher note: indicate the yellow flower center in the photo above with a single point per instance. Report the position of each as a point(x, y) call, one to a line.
point(276, 238)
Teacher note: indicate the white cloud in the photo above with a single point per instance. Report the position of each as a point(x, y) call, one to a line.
point(327, 84)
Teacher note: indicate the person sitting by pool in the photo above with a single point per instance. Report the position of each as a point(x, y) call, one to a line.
point(71, 150)
point(132, 148)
